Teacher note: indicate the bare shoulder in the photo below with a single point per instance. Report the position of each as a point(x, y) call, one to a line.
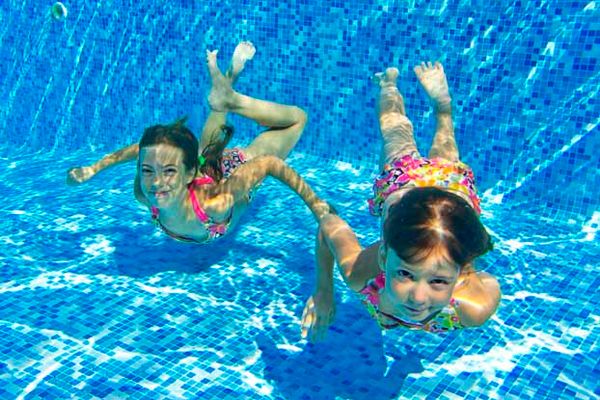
point(478, 295)
point(366, 267)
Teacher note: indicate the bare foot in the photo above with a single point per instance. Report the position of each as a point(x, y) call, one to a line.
point(78, 175)
point(221, 91)
point(433, 79)
point(390, 99)
point(387, 78)
point(243, 52)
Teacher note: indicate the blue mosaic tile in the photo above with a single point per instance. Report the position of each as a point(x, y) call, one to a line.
point(95, 304)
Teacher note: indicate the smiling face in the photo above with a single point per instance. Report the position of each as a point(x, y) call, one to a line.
point(416, 291)
point(163, 176)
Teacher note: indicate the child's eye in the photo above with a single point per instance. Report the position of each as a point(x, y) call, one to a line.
point(440, 282)
point(146, 171)
point(402, 273)
point(170, 171)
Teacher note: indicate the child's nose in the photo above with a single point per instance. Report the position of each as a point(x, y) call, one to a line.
point(158, 180)
point(418, 294)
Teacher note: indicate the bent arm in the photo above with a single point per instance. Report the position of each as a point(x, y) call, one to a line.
point(250, 174)
point(337, 241)
point(82, 174)
point(118, 157)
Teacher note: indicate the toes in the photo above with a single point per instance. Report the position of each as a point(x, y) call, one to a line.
point(391, 74)
point(424, 67)
point(249, 49)
point(420, 69)
point(213, 67)
point(211, 57)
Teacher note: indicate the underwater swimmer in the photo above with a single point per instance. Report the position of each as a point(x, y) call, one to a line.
point(420, 276)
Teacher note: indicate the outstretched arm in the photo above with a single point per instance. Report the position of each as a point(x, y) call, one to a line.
point(81, 174)
point(336, 242)
point(319, 309)
point(250, 174)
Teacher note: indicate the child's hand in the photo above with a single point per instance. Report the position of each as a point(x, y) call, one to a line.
point(317, 316)
point(79, 175)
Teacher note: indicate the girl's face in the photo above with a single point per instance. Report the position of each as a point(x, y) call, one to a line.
point(163, 176)
point(415, 292)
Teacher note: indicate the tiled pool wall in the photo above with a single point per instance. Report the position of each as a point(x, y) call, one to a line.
point(523, 74)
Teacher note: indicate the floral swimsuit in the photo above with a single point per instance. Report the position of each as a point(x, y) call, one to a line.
point(445, 320)
point(413, 170)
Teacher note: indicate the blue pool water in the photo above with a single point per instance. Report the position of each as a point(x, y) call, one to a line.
point(95, 303)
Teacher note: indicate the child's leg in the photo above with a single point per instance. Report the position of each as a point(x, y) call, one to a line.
point(82, 174)
point(396, 128)
point(285, 123)
point(243, 52)
point(433, 80)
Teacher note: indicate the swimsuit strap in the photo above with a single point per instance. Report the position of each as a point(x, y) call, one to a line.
point(200, 213)
point(203, 180)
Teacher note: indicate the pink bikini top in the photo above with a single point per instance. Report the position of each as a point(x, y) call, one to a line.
point(214, 229)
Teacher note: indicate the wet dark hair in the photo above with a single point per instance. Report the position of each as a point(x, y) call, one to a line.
point(180, 136)
point(176, 135)
point(212, 154)
point(429, 220)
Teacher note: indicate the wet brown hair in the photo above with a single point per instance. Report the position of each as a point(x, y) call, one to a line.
point(212, 154)
point(428, 221)
point(180, 136)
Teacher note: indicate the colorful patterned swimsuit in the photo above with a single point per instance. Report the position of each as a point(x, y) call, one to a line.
point(232, 158)
point(445, 320)
point(413, 170)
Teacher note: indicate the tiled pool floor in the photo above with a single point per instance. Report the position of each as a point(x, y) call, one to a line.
point(95, 303)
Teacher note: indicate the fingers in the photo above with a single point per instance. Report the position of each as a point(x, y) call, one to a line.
point(314, 326)
point(79, 175)
point(319, 330)
point(71, 180)
point(308, 317)
point(310, 326)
